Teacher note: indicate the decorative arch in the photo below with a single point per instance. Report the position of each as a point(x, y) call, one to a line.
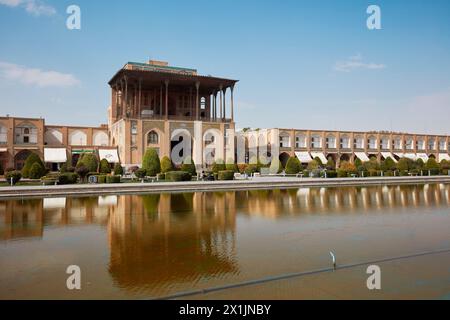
point(372, 142)
point(284, 157)
point(100, 138)
point(26, 133)
point(300, 140)
point(345, 141)
point(53, 137)
point(385, 143)
point(78, 138)
point(331, 141)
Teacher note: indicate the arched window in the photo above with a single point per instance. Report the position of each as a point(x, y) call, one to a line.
point(300, 141)
point(316, 141)
point(431, 144)
point(358, 143)
point(26, 134)
point(372, 142)
point(331, 142)
point(152, 138)
point(345, 142)
point(203, 103)
point(385, 143)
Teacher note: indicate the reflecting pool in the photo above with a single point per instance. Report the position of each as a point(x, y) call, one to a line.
point(153, 245)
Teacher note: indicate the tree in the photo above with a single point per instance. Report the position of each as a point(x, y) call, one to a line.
point(275, 166)
point(388, 164)
point(348, 167)
point(104, 167)
point(166, 164)
point(31, 159)
point(82, 171)
point(89, 160)
point(318, 161)
point(218, 165)
point(293, 166)
point(404, 164)
point(331, 165)
point(140, 173)
point(372, 164)
point(431, 164)
point(419, 164)
point(314, 164)
point(37, 171)
point(445, 165)
point(189, 166)
point(151, 162)
point(358, 163)
point(118, 170)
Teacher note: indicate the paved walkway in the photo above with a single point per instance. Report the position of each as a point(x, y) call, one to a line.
point(267, 182)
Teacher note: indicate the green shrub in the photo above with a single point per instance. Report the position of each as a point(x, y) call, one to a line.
point(404, 173)
point(251, 169)
point(313, 165)
point(178, 176)
point(331, 174)
point(373, 173)
point(104, 167)
point(49, 181)
point(31, 159)
point(293, 166)
point(230, 165)
point(306, 173)
point(113, 179)
point(37, 171)
point(68, 178)
point(445, 165)
point(101, 179)
point(389, 173)
point(218, 165)
point(419, 164)
point(431, 164)
point(331, 165)
point(166, 164)
point(82, 171)
point(15, 175)
point(118, 170)
point(225, 175)
point(189, 166)
point(275, 166)
point(404, 164)
point(434, 171)
point(388, 164)
point(151, 162)
point(358, 163)
point(161, 176)
point(89, 160)
point(318, 162)
point(372, 165)
point(140, 173)
point(341, 173)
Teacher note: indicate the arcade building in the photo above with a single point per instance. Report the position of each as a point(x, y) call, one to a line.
point(154, 105)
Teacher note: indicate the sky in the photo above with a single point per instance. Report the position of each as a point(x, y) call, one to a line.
point(301, 64)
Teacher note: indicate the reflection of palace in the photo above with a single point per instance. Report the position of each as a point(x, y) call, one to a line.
point(169, 239)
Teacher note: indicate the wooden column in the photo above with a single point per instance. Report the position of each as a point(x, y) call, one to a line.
point(140, 97)
point(221, 102)
point(167, 100)
point(224, 104)
point(125, 107)
point(232, 103)
point(197, 86)
point(160, 101)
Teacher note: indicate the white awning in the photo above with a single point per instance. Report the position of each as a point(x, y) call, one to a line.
point(444, 156)
point(111, 155)
point(422, 156)
point(362, 156)
point(320, 155)
point(304, 157)
point(3, 149)
point(388, 155)
point(411, 156)
point(55, 155)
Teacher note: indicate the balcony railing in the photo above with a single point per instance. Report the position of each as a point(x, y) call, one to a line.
point(183, 118)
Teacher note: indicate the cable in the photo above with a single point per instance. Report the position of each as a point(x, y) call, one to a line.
point(293, 275)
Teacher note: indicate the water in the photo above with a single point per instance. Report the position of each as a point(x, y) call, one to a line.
point(144, 246)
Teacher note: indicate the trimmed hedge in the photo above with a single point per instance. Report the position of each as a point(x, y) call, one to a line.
point(293, 166)
point(68, 178)
point(89, 160)
point(37, 171)
point(31, 159)
point(140, 173)
point(101, 179)
point(178, 176)
point(189, 166)
point(225, 175)
point(104, 167)
point(151, 162)
point(166, 164)
point(15, 175)
point(112, 179)
point(218, 165)
point(118, 170)
point(331, 174)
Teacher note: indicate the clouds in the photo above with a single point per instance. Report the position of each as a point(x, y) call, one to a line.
point(33, 7)
point(356, 63)
point(36, 77)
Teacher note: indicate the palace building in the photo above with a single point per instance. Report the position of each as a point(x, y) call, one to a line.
point(154, 105)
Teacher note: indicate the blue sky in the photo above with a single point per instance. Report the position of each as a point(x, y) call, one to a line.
point(301, 64)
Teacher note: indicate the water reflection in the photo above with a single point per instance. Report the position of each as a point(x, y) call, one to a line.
point(164, 240)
